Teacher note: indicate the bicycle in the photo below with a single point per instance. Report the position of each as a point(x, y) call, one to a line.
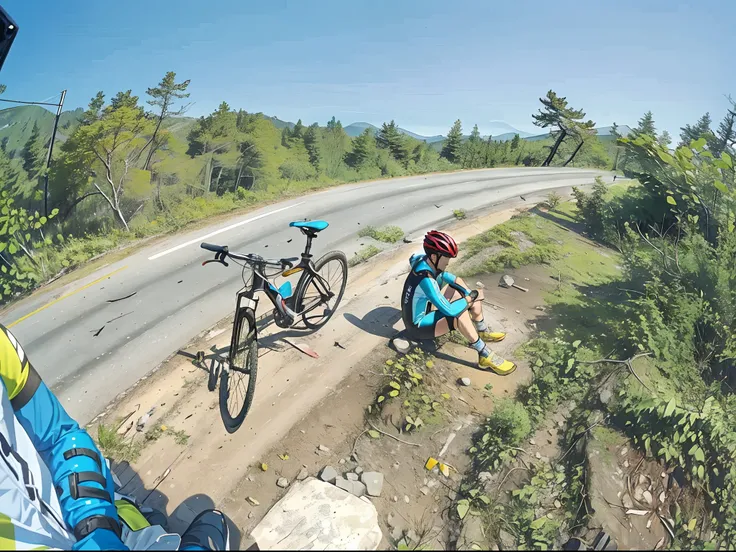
point(313, 290)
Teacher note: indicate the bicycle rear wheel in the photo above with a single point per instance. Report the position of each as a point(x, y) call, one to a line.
point(317, 299)
point(238, 382)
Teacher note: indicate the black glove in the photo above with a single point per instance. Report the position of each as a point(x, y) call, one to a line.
point(473, 297)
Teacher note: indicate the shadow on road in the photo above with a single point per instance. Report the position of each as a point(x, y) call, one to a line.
point(181, 516)
point(379, 321)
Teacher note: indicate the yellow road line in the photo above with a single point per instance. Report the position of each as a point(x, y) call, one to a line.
point(47, 305)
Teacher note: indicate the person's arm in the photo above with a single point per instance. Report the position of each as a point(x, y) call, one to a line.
point(80, 475)
point(451, 280)
point(432, 290)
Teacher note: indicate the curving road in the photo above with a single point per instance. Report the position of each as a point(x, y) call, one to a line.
point(176, 298)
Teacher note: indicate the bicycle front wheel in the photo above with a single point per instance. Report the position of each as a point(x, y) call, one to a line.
point(318, 296)
point(238, 382)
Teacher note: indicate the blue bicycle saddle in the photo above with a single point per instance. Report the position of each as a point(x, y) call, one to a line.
point(314, 225)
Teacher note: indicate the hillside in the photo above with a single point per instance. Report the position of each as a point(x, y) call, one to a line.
point(16, 125)
point(356, 129)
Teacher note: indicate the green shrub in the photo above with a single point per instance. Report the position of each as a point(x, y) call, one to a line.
point(363, 255)
point(387, 234)
point(553, 200)
point(510, 421)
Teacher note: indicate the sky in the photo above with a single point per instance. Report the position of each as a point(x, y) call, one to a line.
point(423, 63)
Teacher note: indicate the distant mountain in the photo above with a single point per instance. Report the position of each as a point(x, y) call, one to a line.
point(603, 133)
point(356, 129)
point(16, 125)
point(278, 123)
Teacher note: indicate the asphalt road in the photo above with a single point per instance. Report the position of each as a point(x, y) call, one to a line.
point(176, 298)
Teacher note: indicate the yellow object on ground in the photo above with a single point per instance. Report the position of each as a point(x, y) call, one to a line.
point(431, 463)
point(494, 362)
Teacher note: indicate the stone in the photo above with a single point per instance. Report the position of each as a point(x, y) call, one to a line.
point(538, 456)
point(282, 482)
point(328, 474)
point(323, 448)
point(250, 515)
point(373, 482)
point(253, 501)
point(626, 501)
point(558, 504)
point(424, 490)
point(358, 470)
point(396, 498)
point(401, 345)
point(359, 489)
point(351, 476)
point(452, 495)
point(303, 474)
point(344, 484)
point(406, 499)
point(396, 465)
point(624, 451)
point(506, 541)
point(648, 497)
point(397, 533)
point(480, 285)
point(316, 515)
point(626, 464)
point(464, 381)
point(341, 461)
point(532, 442)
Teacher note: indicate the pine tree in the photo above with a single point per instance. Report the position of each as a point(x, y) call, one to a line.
point(726, 134)
point(285, 137)
point(163, 97)
point(311, 137)
point(32, 153)
point(364, 147)
point(516, 142)
point(557, 114)
point(664, 139)
point(297, 131)
point(646, 126)
point(453, 144)
point(389, 137)
point(694, 132)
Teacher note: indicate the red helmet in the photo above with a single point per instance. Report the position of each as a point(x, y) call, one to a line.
point(439, 242)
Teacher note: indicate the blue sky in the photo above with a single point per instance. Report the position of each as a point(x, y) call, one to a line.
point(424, 63)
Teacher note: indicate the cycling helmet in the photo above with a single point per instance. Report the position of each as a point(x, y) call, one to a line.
point(439, 242)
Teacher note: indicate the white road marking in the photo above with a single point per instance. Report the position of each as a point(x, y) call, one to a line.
point(220, 231)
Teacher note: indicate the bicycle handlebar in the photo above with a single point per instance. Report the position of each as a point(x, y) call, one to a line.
point(222, 251)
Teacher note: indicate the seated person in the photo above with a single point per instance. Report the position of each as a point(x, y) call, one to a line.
point(435, 302)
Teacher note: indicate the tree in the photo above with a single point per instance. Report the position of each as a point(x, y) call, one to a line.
point(664, 139)
point(726, 134)
point(334, 146)
point(32, 153)
point(311, 143)
point(472, 154)
point(163, 97)
point(115, 139)
point(285, 137)
point(452, 147)
point(557, 114)
point(364, 148)
point(298, 130)
point(694, 132)
point(390, 138)
point(646, 126)
point(515, 142)
point(213, 135)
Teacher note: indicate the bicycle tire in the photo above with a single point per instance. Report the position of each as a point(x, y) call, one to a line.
point(243, 350)
point(342, 263)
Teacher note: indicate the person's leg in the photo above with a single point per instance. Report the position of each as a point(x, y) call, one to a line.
point(476, 313)
point(208, 531)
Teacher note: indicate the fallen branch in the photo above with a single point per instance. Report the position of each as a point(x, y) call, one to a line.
point(355, 443)
point(627, 363)
point(393, 437)
point(505, 477)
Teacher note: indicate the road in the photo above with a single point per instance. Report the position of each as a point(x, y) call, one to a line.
point(176, 298)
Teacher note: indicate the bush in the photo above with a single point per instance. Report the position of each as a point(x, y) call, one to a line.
point(363, 255)
point(553, 200)
point(510, 421)
point(387, 234)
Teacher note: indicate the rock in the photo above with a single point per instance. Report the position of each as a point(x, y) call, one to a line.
point(480, 285)
point(638, 494)
point(558, 504)
point(397, 533)
point(424, 490)
point(328, 474)
point(626, 501)
point(373, 482)
point(560, 423)
point(396, 498)
point(303, 474)
point(344, 484)
point(359, 489)
point(464, 381)
point(648, 497)
point(250, 478)
point(624, 451)
point(662, 497)
point(352, 476)
point(316, 515)
point(452, 495)
point(538, 456)
point(606, 395)
point(532, 442)
point(396, 465)
point(253, 501)
point(341, 461)
point(626, 464)
point(506, 541)
point(323, 448)
point(358, 470)
point(401, 345)
point(432, 483)
point(406, 499)
point(250, 515)
point(282, 482)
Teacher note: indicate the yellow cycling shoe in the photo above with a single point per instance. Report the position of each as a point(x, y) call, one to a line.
point(494, 362)
point(492, 337)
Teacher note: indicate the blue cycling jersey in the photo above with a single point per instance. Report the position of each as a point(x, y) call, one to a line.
point(422, 292)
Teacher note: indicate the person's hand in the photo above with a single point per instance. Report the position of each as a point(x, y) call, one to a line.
point(473, 297)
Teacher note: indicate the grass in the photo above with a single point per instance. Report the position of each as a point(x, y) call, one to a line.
point(386, 234)
point(459, 214)
point(114, 446)
point(363, 255)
